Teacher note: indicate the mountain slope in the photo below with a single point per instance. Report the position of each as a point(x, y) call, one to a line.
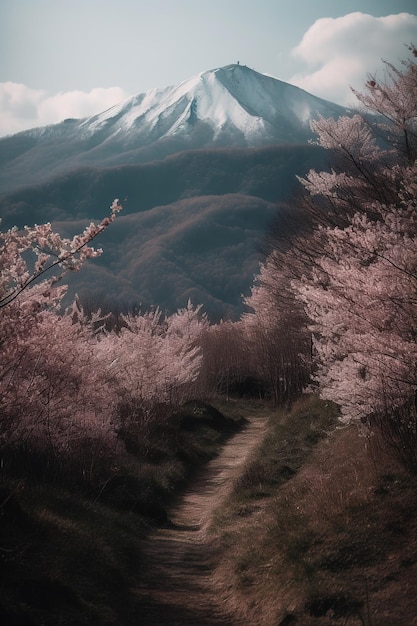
point(203, 249)
point(191, 226)
point(267, 173)
point(232, 106)
point(204, 165)
point(239, 105)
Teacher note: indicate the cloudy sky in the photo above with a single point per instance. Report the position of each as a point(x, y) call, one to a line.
point(74, 58)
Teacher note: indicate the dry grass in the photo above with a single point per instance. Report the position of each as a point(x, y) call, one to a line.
point(70, 551)
point(335, 542)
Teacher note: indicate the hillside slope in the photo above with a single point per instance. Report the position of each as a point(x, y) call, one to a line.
point(232, 106)
point(191, 226)
point(320, 528)
point(226, 132)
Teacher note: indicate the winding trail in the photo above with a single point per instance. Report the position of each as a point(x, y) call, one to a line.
point(176, 587)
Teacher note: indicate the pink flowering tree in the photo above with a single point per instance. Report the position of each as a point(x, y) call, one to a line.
point(153, 359)
point(52, 395)
point(49, 251)
point(360, 291)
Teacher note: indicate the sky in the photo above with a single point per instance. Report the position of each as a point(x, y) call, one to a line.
point(75, 58)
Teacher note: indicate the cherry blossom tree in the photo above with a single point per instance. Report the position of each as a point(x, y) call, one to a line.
point(360, 291)
point(55, 395)
point(361, 299)
point(153, 359)
point(51, 251)
point(52, 394)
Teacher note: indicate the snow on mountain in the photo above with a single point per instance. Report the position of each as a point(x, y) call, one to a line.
point(233, 99)
point(192, 222)
point(231, 106)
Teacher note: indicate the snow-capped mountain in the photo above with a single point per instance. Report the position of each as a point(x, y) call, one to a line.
point(236, 103)
point(232, 106)
point(206, 166)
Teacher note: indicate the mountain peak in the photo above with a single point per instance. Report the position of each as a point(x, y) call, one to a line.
point(229, 106)
point(234, 103)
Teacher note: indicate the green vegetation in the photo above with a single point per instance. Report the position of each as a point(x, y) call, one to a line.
point(70, 545)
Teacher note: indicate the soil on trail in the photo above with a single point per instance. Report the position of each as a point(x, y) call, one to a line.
point(176, 588)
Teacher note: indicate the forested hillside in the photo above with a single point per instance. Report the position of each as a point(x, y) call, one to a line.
point(267, 173)
point(191, 226)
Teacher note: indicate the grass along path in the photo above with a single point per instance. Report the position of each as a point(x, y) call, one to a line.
point(176, 587)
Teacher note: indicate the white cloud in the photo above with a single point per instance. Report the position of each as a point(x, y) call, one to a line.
point(18, 106)
point(22, 107)
point(341, 52)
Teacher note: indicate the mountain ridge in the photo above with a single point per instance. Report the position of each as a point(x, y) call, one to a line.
point(206, 165)
point(231, 106)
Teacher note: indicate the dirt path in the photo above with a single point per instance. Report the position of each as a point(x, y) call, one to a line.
point(176, 588)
